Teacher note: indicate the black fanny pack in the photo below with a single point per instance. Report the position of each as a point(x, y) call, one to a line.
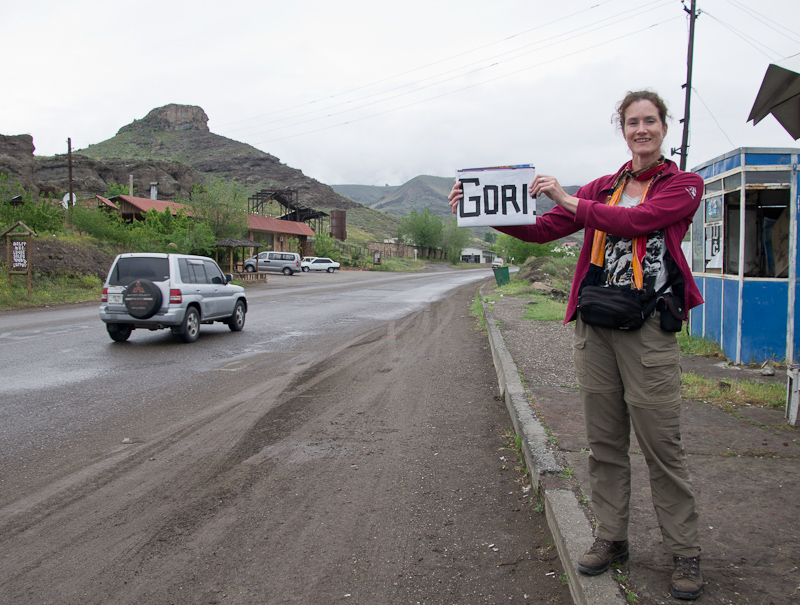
point(615, 308)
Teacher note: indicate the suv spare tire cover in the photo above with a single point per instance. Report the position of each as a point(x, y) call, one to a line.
point(142, 298)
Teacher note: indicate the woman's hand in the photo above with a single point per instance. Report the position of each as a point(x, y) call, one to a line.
point(549, 185)
point(456, 195)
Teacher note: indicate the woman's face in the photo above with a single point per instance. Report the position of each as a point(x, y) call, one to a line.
point(643, 129)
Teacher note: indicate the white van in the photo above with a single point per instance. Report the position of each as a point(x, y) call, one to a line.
point(279, 262)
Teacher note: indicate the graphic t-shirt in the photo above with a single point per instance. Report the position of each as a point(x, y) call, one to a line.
point(618, 268)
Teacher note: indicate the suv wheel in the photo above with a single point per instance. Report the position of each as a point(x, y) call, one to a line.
point(287, 271)
point(236, 322)
point(119, 332)
point(142, 298)
point(250, 268)
point(190, 329)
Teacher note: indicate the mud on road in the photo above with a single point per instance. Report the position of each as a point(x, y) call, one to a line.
point(371, 473)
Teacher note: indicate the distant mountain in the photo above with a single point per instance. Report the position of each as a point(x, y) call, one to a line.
point(420, 192)
point(365, 194)
point(417, 194)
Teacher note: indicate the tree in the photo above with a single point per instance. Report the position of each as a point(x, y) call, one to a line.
point(325, 246)
point(114, 189)
point(520, 251)
point(454, 239)
point(421, 229)
point(43, 215)
point(222, 205)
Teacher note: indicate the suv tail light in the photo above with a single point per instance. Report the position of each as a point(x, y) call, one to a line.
point(175, 296)
point(104, 296)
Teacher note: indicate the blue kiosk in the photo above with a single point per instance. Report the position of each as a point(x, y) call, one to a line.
point(743, 253)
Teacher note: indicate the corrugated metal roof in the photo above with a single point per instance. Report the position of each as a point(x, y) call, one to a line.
point(144, 204)
point(255, 223)
point(106, 202)
point(262, 223)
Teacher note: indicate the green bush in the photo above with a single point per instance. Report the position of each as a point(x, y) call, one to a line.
point(41, 215)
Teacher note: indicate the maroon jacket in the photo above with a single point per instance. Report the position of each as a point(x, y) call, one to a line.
point(670, 204)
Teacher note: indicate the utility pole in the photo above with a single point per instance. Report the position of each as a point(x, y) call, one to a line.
point(69, 163)
point(684, 148)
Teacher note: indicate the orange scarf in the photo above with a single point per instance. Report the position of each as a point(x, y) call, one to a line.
point(639, 243)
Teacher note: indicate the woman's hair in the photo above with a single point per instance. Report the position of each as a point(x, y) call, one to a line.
point(640, 95)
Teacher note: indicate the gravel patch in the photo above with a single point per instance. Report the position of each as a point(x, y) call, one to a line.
point(542, 350)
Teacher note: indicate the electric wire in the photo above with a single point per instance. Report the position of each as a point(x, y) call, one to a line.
point(713, 117)
point(482, 83)
point(445, 60)
point(420, 88)
point(744, 37)
point(778, 27)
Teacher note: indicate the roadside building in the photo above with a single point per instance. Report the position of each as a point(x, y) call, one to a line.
point(477, 255)
point(743, 253)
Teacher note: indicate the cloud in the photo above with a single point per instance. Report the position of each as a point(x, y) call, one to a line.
point(373, 93)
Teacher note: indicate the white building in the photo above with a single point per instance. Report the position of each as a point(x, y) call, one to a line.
point(477, 255)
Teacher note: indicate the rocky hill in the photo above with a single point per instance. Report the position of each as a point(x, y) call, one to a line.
point(50, 175)
point(179, 133)
point(172, 146)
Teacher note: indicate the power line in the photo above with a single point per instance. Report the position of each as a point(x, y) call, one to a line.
point(447, 77)
point(787, 33)
point(743, 36)
point(714, 118)
point(482, 83)
point(381, 81)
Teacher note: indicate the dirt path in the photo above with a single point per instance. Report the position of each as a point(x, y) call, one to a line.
point(373, 474)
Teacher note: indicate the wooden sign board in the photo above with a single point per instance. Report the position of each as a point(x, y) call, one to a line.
point(496, 196)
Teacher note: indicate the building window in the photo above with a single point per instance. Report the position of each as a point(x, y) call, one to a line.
point(717, 227)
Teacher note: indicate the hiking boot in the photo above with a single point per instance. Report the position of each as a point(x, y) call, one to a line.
point(601, 555)
point(687, 583)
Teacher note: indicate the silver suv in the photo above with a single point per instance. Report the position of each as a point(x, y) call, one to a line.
point(176, 291)
point(283, 262)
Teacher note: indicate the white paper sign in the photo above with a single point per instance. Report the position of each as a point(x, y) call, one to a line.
point(496, 196)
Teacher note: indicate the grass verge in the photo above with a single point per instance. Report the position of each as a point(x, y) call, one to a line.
point(50, 290)
point(399, 264)
point(727, 394)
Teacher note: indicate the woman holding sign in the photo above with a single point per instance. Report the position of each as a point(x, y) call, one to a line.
point(631, 291)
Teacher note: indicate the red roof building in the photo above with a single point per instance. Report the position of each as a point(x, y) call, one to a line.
point(276, 234)
point(273, 233)
point(133, 208)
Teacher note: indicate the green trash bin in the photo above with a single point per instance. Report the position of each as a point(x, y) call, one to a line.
point(501, 275)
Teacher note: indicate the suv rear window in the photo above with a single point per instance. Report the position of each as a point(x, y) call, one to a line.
point(139, 267)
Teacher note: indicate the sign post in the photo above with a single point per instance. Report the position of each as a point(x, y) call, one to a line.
point(19, 250)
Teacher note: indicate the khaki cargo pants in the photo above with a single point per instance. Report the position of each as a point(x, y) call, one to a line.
point(633, 378)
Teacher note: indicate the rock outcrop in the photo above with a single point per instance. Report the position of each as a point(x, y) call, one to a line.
point(171, 117)
point(16, 158)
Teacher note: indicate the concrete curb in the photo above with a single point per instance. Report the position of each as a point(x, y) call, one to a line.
point(571, 530)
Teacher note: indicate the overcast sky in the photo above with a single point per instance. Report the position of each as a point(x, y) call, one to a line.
point(373, 93)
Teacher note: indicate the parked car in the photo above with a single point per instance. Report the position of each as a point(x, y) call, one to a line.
point(305, 261)
point(321, 264)
point(497, 263)
point(287, 263)
point(175, 291)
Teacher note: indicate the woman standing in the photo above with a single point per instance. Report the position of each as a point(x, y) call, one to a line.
point(634, 223)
